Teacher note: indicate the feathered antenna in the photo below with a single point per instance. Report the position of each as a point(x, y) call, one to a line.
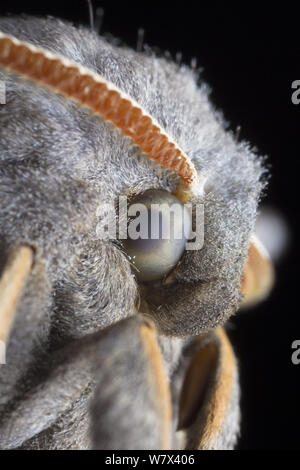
point(94, 92)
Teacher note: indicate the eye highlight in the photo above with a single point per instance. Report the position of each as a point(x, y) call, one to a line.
point(158, 229)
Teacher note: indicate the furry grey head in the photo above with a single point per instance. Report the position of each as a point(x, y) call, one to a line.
point(59, 164)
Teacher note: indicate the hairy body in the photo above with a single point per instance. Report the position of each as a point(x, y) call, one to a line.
point(82, 308)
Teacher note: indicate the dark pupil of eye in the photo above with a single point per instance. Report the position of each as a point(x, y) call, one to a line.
point(157, 234)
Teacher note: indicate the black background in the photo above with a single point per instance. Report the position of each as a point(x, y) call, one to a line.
point(250, 56)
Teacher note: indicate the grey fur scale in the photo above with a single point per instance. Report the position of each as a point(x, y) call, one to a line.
point(58, 165)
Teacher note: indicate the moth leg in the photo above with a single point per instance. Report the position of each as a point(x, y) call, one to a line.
point(132, 404)
point(25, 299)
point(111, 382)
point(208, 394)
point(258, 275)
point(12, 282)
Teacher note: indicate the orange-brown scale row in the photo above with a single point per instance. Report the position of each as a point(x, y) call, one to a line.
point(73, 83)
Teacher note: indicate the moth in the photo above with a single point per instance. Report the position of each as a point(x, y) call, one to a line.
point(97, 358)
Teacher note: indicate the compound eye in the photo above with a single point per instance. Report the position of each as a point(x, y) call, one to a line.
point(158, 229)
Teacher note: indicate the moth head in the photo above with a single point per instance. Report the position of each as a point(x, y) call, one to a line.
point(94, 122)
